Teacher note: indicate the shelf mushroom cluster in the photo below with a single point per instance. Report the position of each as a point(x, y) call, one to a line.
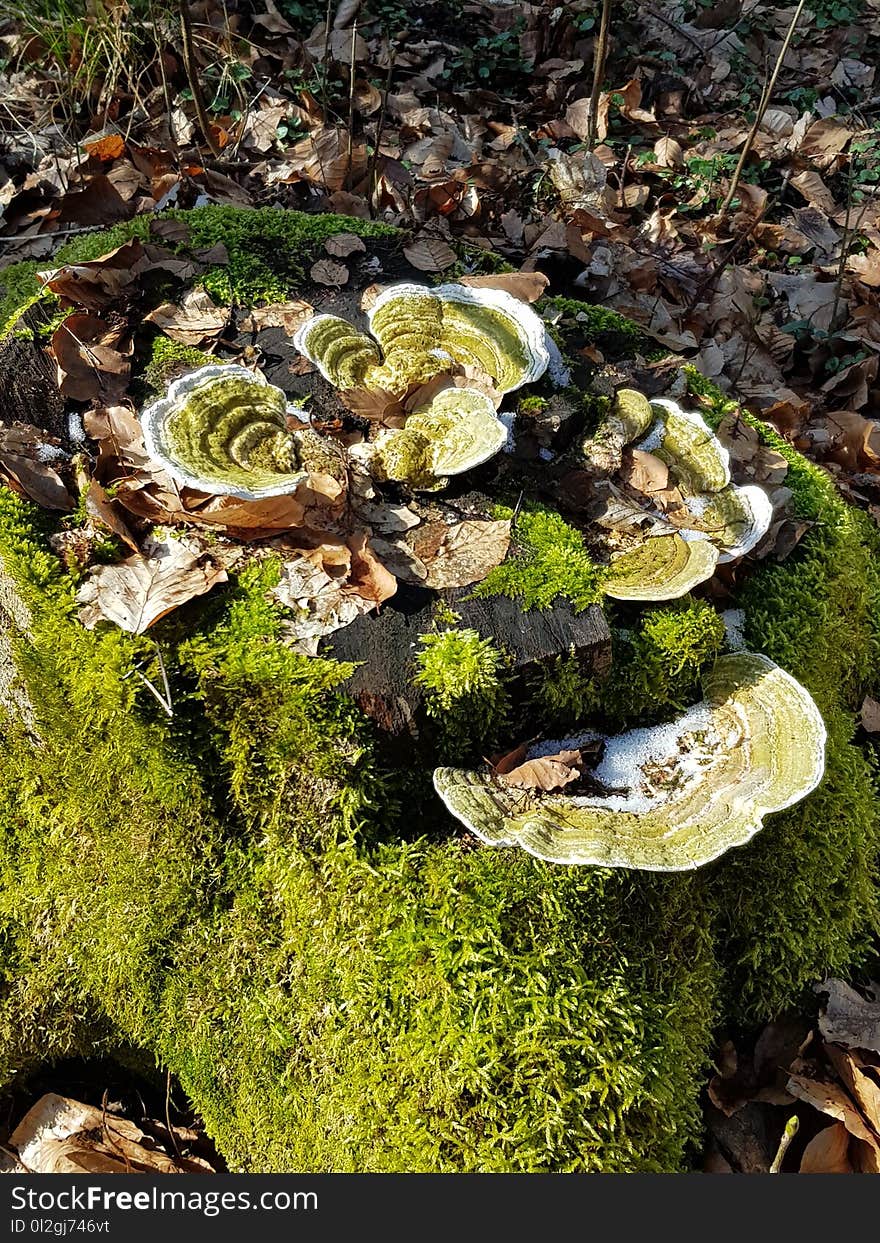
point(722, 523)
point(416, 334)
point(675, 796)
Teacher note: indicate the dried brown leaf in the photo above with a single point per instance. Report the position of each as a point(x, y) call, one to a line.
point(527, 286)
point(870, 715)
point(827, 1152)
point(464, 553)
point(26, 455)
point(136, 593)
point(848, 1018)
point(429, 254)
point(341, 245)
point(552, 772)
point(327, 272)
point(194, 321)
point(91, 365)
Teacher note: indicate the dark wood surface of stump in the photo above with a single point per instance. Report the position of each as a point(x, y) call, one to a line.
point(28, 392)
point(386, 643)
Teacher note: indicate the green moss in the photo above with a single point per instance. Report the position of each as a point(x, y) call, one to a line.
point(548, 560)
point(613, 334)
point(463, 677)
point(203, 889)
point(270, 250)
point(170, 359)
point(22, 290)
point(236, 893)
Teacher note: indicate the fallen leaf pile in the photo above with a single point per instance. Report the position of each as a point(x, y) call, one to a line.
point(59, 1135)
point(826, 1076)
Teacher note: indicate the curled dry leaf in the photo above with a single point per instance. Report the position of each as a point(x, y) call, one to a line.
point(195, 320)
point(326, 272)
point(429, 254)
point(668, 152)
point(26, 456)
point(377, 405)
point(870, 715)
point(92, 363)
point(286, 315)
point(552, 772)
point(136, 593)
point(527, 286)
point(827, 1152)
point(368, 577)
point(341, 245)
point(645, 472)
point(103, 510)
point(849, 1018)
point(94, 285)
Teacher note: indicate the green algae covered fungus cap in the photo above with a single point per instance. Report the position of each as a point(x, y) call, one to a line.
point(677, 795)
point(417, 332)
point(223, 430)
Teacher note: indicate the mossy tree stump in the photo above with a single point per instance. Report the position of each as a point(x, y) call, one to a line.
point(252, 896)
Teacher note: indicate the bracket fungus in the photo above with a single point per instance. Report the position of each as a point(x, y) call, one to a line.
point(454, 431)
point(223, 429)
point(675, 796)
point(417, 332)
point(718, 522)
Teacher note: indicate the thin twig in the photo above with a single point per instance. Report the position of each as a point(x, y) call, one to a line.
point(762, 108)
point(171, 1133)
point(600, 55)
point(192, 76)
point(325, 60)
point(380, 129)
point(844, 242)
point(354, 27)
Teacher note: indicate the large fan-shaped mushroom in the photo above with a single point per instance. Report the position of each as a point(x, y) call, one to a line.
point(678, 795)
point(223, 430)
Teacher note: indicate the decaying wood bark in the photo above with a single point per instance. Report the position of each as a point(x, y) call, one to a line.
point(28, 392)
point(386, 643)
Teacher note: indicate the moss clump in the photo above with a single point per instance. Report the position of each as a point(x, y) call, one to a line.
point(19, 283)
point(203, 889)
point(230, 891)
point(463, 676)
point(549, 560)
point(169, 360)
point(270, 250)
point(585, 324)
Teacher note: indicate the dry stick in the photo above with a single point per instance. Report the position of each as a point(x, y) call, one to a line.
point(791, 1129)
point(600, 55)
point(762, 108)
point(715, 273)
point(354, 28)
point(166, 89)
point(380, 129)
point(844, 244)
point(193, 78)
point(325, 59)
point(171, 1133)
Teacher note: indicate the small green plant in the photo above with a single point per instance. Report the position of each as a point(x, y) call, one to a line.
point(495, 57)
point(549, 560)
point(463, 676)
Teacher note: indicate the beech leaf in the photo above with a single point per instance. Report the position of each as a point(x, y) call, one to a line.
point(326, 272)
point(552, 772)
point(430, 254)
point(341, 245)
point(136, 593)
